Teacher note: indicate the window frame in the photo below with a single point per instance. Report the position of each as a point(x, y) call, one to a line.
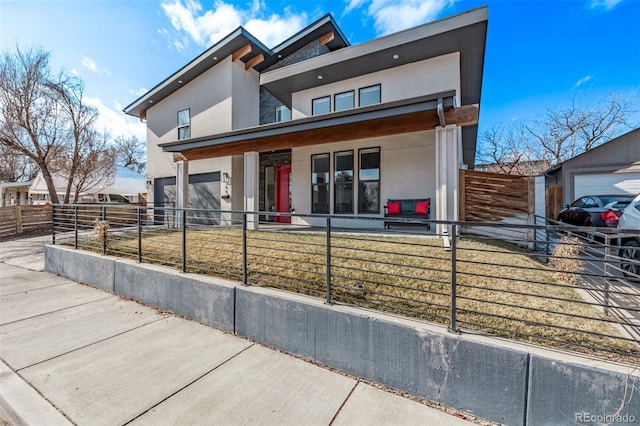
point(360, 192)
point(313, 105)
point(279, 109)
point(186, 126)
point(327, 184)
point(337, 185)
point(379, 86)
point(353, 100)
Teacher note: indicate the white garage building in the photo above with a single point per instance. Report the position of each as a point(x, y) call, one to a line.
point(611, 168)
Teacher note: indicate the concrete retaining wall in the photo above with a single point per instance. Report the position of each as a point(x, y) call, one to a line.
point(500, 381)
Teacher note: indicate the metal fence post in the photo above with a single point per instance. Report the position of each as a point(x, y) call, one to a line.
point(328, 260)
point(183, 216)
point(139, 234)
point(607, 272)
point(53, 224)
point(454, 232)
point(103, 213)
point(75, 227)
point(244, 249)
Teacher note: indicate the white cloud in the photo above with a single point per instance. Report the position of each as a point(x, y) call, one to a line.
point(395, 15)
point(582, 81)
point(353, 4)
point(92, 66)
point(607, 4)
point(115, 122)
point(187, 17)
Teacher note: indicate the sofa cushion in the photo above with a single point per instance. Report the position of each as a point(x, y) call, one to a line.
point(422, 207)
point(393, 207)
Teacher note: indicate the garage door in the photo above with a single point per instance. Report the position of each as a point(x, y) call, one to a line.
point(204, 196)
point(607, 183)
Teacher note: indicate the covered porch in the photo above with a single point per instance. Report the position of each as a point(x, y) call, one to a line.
point(343, 163)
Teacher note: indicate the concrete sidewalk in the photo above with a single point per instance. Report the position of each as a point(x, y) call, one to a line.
point(74, 354)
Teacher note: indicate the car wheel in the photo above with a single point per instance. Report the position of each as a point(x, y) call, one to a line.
point(630, 259)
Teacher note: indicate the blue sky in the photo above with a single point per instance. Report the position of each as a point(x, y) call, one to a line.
point(539, 53)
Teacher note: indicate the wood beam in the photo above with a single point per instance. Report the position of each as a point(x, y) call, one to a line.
point(253, 61)
point(178, 156)
point(143, 115)
point(466, 115)
point(243, 51)
point(328, 37)
point(414, 122)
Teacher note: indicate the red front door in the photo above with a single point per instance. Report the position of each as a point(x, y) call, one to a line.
point(283, 192)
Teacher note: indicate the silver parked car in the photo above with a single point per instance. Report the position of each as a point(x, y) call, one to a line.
point(629, 252)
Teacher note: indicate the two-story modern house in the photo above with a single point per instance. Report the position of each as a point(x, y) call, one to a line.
point(317, 126)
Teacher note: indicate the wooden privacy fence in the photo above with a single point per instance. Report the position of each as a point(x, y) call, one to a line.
point(16, 220)
point(498, 198)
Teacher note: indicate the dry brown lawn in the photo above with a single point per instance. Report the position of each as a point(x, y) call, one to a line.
point(500, 289)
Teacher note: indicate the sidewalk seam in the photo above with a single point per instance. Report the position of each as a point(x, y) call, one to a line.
point(59, 310)
point(92, 343)
point(187, 385)
point(335, 416)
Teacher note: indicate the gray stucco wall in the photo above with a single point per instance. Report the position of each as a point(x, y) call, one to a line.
point(501, 381)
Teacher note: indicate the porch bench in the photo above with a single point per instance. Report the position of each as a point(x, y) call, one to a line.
point(401, 211)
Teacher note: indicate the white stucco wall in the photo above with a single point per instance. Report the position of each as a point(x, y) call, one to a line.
point(246, 97)
point(213, 110)
point(407, 170)
point(407, 81)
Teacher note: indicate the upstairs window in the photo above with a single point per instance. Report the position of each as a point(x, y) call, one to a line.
point(369, 95)
point(283, 113)
point(184, 124)
point(343, 101)
point(321, 105)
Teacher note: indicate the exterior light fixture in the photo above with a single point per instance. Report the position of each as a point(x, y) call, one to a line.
point(395, 56)
point(319, 77)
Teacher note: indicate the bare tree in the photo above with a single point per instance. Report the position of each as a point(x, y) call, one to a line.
point(131, 153)
point(32, 123)
point(87, 161)
point(46, 119)
point(558, 135)
point(16, 167)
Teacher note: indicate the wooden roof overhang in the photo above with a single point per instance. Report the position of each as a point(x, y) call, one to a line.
point(412, 115)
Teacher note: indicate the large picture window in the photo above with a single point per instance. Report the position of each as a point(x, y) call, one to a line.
point(320, 183)
point(184, 124)
point(369, 181)
point(343, 182)
point(321, 105)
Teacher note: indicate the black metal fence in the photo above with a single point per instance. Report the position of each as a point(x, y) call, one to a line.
point(568, 287)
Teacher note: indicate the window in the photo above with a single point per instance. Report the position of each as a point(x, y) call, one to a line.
point(321, 105)
point(343, 182)
point(184, 121)
point(283, 113)
point(369, 95)
point(369, 181)
point(343, 101)
point(320, 183)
